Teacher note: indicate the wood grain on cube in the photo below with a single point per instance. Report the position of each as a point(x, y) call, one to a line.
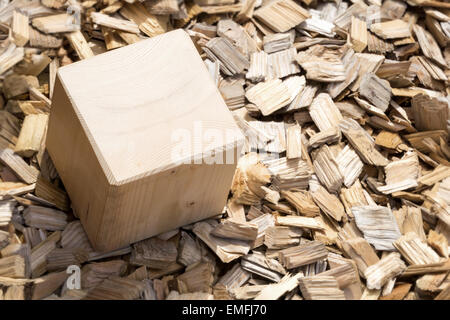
point(127, 186)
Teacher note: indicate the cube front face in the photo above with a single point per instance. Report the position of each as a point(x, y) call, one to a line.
point(117, 125)
point(163, 202)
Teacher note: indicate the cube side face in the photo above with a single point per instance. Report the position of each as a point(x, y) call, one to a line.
point(76, 162)
point(132, 100)
point(164, 201)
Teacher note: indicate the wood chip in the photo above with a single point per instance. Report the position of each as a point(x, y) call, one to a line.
point(12, 267)
point(116, 288)
point(197, 278)
point(281, 15)
point(20, 29)
point(154, 253)
point(32, 132)
point(358, 34)
point(378, 226)
point(415, 251)
point(293, 142)
point(231, 60)
point(46, 285)
point(79, 43)
point(381, 272)
point(302, 201)
point(322, 65)
point(226, 250)
point(391, 29)
point(361, 252)
point(328, 203)
point(269, 96)
point(401, 174)
point(282, 237)
point(275, 291)
point(278, 42)
point(428, 45)
point(282, 64)
point(327, 170)
point(250, 175)
point(57, 23)
point(439, 173)
point(258, 69)
point(74, 236)
point(234, 278)
point(293, 173)
point(258, 264)
point(39, 253)
point(149, 24)
point(320, 288)
point(429, 113)
point(368, 63)
point(350, 165)
point(302, 255)
point(362, 143)
point(114, 23)
point(324, 112)
point(377, 91)
point(236, 230)
point(438, 242)
point(299, 222)
point(24, 171)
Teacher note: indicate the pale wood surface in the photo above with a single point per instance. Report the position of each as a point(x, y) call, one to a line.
point(124, 183)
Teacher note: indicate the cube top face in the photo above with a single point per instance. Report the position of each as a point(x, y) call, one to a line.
point(148, 105)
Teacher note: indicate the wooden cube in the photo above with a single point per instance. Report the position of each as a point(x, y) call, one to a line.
point(121, 123)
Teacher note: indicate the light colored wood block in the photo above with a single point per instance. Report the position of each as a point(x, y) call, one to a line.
point(117, 122)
